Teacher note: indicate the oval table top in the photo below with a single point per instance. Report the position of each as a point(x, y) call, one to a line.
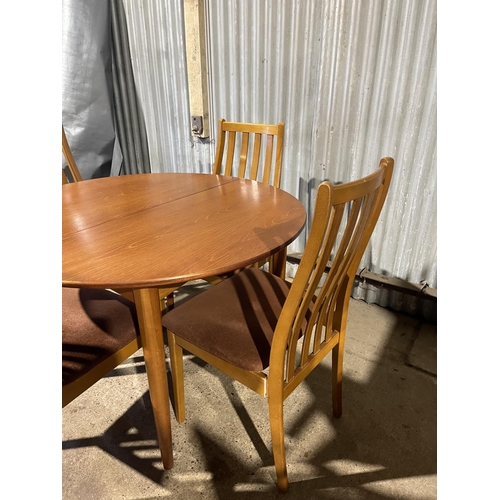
point(151, 230)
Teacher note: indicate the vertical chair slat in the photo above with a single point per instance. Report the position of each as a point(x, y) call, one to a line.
point(268, 162)
point(256, 157)
point(219, 153)
point(243, 155)
point(279, 155)
point(230, 153)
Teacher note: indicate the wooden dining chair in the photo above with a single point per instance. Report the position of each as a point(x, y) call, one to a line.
point(258, 149)
point(99, 332)
point(256, 321)
point(99, 327)
point(251, 151)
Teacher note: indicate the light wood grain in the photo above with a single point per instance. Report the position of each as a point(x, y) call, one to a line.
point(119, 234)
point(148, 313)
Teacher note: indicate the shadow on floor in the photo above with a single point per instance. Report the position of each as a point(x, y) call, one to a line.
point(387, 434)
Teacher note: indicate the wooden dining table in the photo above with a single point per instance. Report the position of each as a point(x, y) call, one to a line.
point(148, 234)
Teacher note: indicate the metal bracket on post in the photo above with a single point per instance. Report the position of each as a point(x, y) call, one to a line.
point(197, 125)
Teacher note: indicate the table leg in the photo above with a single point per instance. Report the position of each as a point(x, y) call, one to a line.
point(277, 266)
point(148, 311)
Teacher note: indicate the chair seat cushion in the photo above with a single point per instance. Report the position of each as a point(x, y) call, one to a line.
point(234, 320)
point(95, 325)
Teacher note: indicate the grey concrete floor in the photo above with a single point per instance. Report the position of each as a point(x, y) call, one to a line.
point(383, 447)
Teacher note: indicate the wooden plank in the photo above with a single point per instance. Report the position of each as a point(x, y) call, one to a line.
point(381, 281)
point(196, 59)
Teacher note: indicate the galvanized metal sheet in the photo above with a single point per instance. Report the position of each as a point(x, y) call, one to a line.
point(353, 81)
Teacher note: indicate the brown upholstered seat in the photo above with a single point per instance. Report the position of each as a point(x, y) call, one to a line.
point(254, 320)
point(242, 333)
point(239, 335)
point(96, 324)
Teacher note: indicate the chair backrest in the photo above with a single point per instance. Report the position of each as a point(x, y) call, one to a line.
point(73, 169)
point(244, 141)
point(313, 318)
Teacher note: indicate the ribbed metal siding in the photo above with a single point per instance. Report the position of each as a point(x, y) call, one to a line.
point(157, 47)
point(352, 80)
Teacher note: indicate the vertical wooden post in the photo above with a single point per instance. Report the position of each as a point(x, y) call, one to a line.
point(196, 56)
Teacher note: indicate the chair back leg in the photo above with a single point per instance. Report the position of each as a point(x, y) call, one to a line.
point(275, 401)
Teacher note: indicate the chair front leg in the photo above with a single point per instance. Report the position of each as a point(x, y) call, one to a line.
point(277, 264)
point(177, 371)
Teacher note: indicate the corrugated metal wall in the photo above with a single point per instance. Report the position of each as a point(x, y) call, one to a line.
point(352, 80)
point(157, 47)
